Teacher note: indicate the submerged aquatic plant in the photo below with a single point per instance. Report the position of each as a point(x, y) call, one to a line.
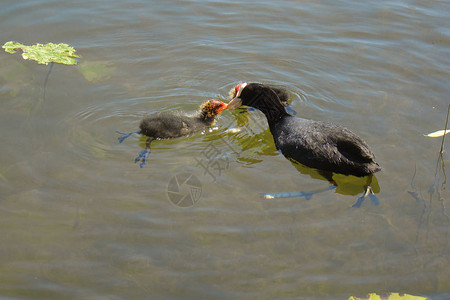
point(44, 54)
point(96, 71)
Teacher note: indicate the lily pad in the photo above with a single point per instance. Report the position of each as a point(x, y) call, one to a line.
point(44, 54)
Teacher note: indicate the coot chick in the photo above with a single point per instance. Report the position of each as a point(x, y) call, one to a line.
point(315, 144)
point(167, 125)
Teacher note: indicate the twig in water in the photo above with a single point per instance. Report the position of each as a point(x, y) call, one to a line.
point(445, 130)
point(441, 152)
point(46, 79)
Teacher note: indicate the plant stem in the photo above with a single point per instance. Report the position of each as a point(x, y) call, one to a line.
point(46, 79)
point(445, 130)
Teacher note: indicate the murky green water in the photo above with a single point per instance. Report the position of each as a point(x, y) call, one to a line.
point(80, 220)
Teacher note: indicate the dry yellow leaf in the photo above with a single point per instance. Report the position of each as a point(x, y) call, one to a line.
point(438, 133)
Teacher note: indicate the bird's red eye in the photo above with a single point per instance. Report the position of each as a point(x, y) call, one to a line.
point(238, 89)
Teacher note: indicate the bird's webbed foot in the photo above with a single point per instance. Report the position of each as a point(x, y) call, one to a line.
point(368, 193)
point(124, 136)
point(143, 155)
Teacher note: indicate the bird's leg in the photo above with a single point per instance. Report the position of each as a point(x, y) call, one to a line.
point(144, 153)
point(368, 192)
point(307, 195)
point(125, 135)
point(326, 174)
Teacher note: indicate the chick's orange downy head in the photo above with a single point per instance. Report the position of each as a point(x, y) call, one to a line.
point(212, 108)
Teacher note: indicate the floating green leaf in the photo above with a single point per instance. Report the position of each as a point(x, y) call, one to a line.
point(391, 296)
point(44, 54)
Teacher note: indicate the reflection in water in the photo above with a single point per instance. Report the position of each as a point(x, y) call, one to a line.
point(345, 184)
point(433, 210)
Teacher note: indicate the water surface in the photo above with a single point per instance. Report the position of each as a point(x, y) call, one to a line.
point(80, 220)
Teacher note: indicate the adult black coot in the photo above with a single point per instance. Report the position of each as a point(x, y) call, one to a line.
point(167, 125)
point(315, 144)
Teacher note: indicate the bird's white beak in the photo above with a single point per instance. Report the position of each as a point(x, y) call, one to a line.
point(236, 101)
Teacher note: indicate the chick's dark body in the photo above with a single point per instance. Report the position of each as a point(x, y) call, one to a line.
point(166, 125)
